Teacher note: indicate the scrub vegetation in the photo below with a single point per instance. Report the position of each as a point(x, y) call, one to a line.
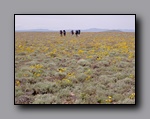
point(93, 68)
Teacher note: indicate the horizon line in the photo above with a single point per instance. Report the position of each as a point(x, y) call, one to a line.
point(73, 29)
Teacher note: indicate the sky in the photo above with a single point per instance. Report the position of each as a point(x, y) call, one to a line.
point(59, 22)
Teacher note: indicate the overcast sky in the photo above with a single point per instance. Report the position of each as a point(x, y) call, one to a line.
point(58, 22)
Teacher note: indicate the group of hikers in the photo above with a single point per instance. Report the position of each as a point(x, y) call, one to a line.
point(63, 32)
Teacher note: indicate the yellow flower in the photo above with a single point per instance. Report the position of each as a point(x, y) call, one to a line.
point(70, 74)
point(32, 67)
point(67, 80)
point(132, 96)
point(98, 58)
point(131, 76)
point(80, 51)
point(88, 77)
point(25, 75)
point(109, 97)
point(61, 69)
point(20, 46)
point(109, 100)
point(18, 83)
point(90, 56)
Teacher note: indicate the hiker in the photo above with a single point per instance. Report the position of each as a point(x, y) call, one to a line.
point(77, 32)
point(72, 32)
point(64, 32)
point(61, 32)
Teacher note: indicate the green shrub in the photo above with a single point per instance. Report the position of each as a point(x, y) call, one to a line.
point(64, 93)
point(22, 53)
point(45, 87)
point(83, 62)
point(122, 64)
point(45, 99)
point(81, 77)
point(104, 79)
point(120, 75)
point(126, 101)
point(66, 82)
point(104, 63)
point(129, 81)
point(118, 97)
point(121, 87)
point(23, 99)
point(60, 75)
point(80, 69)
point(18, 91)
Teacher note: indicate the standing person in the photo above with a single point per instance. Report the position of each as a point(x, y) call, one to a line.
point(72, 32)
point(61, 32)
point(77, 32)
point(64, 32)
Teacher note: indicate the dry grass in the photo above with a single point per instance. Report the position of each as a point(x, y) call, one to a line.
point(94, 68)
